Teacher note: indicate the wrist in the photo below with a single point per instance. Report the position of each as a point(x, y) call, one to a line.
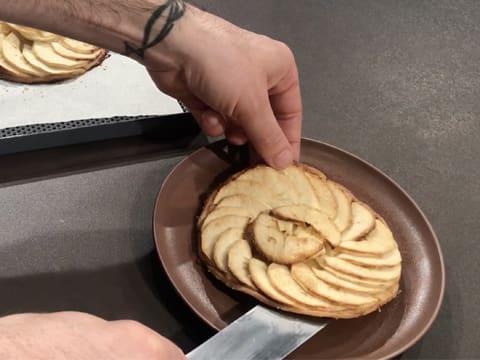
point(147, 33)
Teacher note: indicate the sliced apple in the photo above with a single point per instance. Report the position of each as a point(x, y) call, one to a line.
point(77, 46)
point(245, 201)
point(224, 211)
point(35, 62)
point(313, 171)
point(302, 273)
point(45, 53)
point(258, 273)
point(343, 219)
point(61, 50)
point(356, 280)
point(281, 246)
point(282, 280)
point(377, 242)
point(222, 247)
point(339, 283)
point(279, 185)
point(326, 200)
point(29, 60)
point(239, 256)
point(302, 185)
point(262, 184)
point(6, 65)
point(390, 259)
point(363, 221)
point(11, 47)
point(33, 34)
point(387, 274)
point(212, 231)
point(234, 201)
point(317, 219)
point(236, 187)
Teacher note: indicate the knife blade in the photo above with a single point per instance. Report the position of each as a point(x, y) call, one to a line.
point(261, 333)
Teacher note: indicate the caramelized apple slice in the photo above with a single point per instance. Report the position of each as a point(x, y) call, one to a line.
point(11, 47)
point(222, 247)
point(387, 274)
point(35, 62)
point(45, 53)
point(239, 257)
point(244, 201)
point(258, 272)
point(219, 212)
point(363, 221)
point(326, 200)
point(33, 34)
point(302, 185)
point(302, 273)
point(343, 219)
point(280, 245)
point(212, 231)
point(282, 280)
point(307, 215)
point(339, 283)
point(77, 46)
point(378, 242)
point(356, 280)
point(5, 65)
point(390, 259)
point(61, 50)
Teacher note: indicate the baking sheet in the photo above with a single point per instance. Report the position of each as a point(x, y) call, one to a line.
point(118, 87)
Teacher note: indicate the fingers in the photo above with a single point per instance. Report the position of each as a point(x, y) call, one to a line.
point(284, 91)
point(213, 124)
point(286, 103)
point(266, 110)
point(210, 122)
point(235, 134)
point(262, 129)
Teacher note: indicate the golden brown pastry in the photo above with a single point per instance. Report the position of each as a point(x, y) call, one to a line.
point(300, 242)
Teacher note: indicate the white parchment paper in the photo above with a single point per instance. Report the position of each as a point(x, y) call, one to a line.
point(118, 87)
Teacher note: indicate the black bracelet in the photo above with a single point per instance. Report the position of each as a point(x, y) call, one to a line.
point(175, 10)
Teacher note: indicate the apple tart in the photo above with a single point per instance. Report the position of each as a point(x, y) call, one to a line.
point(33, 56)
point(298, 241)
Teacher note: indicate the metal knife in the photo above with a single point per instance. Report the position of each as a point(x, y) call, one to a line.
point(260, 334)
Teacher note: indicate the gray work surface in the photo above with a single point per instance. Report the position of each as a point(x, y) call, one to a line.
point(395, 82)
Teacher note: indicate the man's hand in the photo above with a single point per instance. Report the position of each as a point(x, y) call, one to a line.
point(74, 335)
point(235, 82)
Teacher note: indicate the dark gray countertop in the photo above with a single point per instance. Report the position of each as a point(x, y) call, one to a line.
point(395, 82)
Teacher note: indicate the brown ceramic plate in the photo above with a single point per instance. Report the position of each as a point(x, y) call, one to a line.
point(382, 334)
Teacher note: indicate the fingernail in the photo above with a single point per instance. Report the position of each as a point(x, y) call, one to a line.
point(236, 140)
point(211, 120)
point(283, 159)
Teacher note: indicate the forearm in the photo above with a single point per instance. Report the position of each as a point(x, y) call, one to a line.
point(130, 27)
point(232, 80)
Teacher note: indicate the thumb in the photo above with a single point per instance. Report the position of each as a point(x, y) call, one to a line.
point(147, 343)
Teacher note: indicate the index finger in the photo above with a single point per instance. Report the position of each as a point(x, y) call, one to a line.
point(286, 103)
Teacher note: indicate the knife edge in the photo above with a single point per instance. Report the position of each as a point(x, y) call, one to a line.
point(261, 333)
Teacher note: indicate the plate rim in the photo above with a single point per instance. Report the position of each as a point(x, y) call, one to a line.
point(418, 336)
